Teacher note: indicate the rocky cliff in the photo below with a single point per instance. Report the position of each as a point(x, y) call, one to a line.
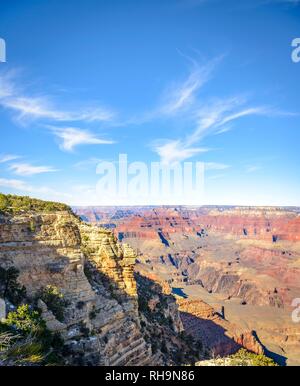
point(106, 318)
point(246, 259)
point(99, 328)
point(101, 325)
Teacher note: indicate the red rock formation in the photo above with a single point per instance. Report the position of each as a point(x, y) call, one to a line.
point(259, 223)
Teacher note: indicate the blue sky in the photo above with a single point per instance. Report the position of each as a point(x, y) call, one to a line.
point(168, 80)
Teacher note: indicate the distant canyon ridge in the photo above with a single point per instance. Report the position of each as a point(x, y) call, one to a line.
point(243, 262)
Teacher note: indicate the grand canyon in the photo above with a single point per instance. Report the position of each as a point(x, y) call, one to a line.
point(234, 271)
point(167, 286)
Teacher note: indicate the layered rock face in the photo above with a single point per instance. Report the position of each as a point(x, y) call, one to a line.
point(112, 259)
point(245, 258)
point(272, 224)
point(101, 325)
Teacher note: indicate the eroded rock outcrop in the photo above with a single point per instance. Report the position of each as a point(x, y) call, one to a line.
point(101, 325)
point(106, 320)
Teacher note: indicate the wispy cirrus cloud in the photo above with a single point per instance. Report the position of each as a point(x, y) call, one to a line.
point(216, 116)
point(6, 85)
point(181, 99)
point(25, 169)
point(180, 96)
point(72, 137)
point(212, 118)
point(41, 107)
point(176, 151)
point(8, 157)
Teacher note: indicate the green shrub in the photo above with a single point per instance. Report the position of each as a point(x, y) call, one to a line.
point(32, 226)
point(10, 289)
point(25, 320)
point(13, 204)
point(54, 300)
point(85, 238)
point(246, 358)
point(31, 343)
point(4, 202)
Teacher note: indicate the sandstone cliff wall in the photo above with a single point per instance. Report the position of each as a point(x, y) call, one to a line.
point(101, 325)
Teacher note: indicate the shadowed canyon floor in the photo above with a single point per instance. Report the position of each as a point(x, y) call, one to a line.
point(236, 269)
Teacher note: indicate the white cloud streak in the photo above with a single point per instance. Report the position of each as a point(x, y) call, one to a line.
point(180, 96)
point(25, 169)
point(41, 108)
point(8, 157)
point(212, 117)
point(72, 137)
point(175, 151)
point(30, 107)
point(209, 119)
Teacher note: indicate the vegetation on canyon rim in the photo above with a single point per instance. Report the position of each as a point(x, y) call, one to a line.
point(13, 204)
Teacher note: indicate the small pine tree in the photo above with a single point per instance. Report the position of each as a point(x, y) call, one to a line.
point(54, 300)
point(10, 289)
point(24, 320)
